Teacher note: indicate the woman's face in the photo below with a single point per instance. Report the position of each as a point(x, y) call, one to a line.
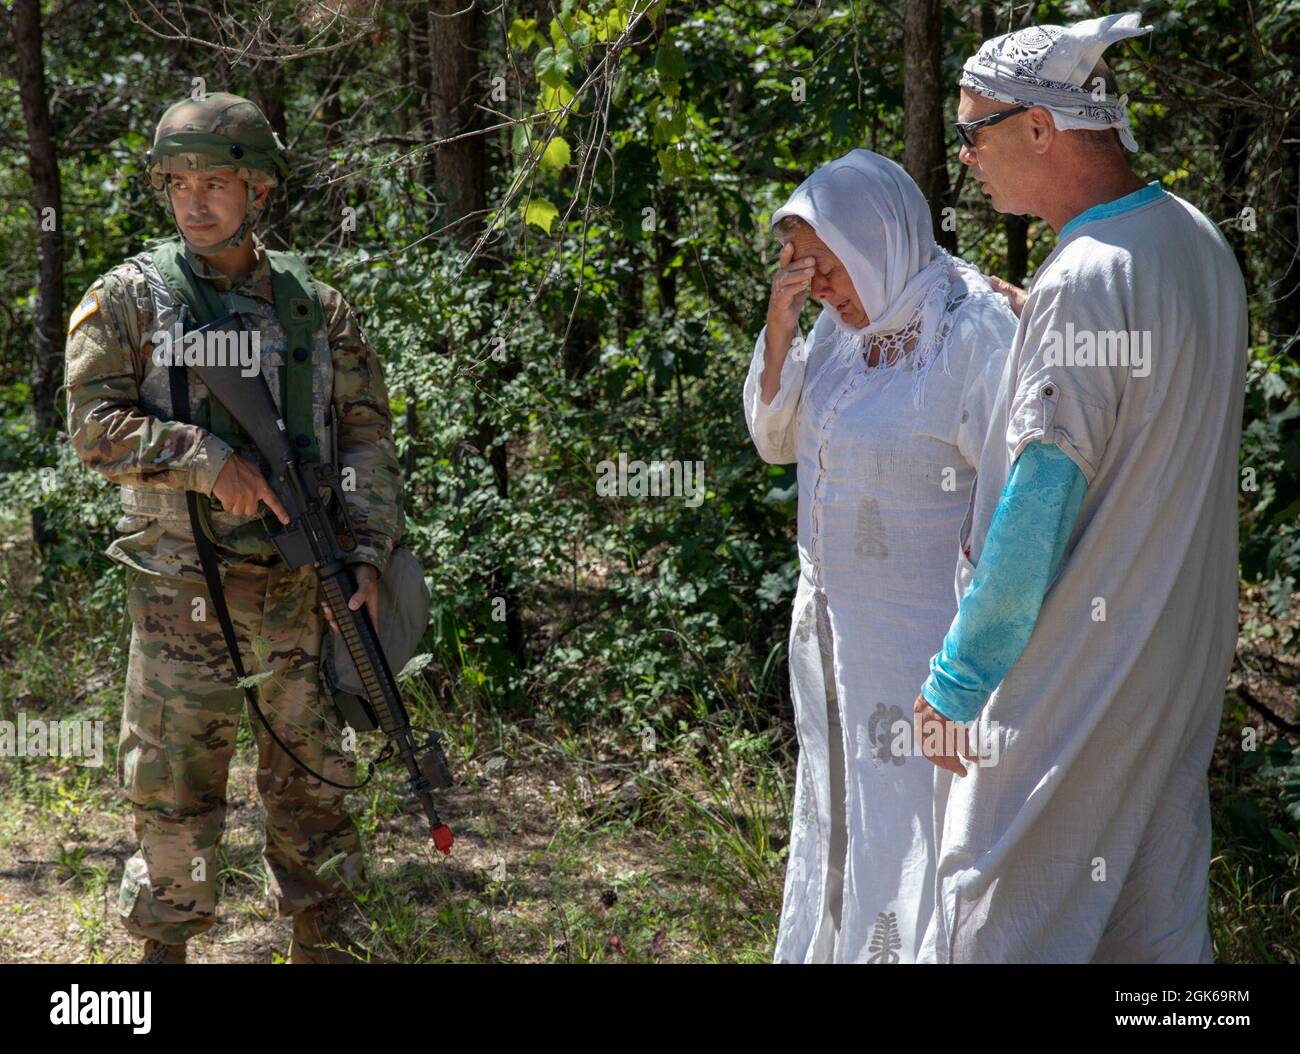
point(831, 283)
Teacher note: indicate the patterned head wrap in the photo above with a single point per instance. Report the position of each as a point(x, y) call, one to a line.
point(1050, 66)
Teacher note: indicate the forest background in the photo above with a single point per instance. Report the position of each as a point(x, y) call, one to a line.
point(553, 220)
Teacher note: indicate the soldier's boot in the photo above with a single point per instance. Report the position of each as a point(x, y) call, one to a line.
point(319, 937)
point(158, 952)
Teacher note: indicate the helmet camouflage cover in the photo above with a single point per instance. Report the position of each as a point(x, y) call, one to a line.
point(217, 130)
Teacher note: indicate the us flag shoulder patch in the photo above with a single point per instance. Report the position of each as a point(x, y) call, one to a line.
point(83, 311)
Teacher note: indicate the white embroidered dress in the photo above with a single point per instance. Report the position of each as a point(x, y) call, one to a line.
point(884, 484)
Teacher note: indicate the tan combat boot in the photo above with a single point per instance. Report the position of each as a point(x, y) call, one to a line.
point(319, 937)
point(158, 952)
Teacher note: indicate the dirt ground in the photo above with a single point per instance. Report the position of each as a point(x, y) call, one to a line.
point(536, 874)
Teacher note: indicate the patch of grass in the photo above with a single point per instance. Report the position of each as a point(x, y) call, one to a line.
point(651, 835)
point(1255, 870)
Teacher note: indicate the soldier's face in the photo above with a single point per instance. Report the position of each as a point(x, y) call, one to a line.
point(209, 206)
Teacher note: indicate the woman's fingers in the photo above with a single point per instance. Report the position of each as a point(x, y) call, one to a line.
point(1015, 295)
point(790, 285)
point(793, 281)
point(792, 277)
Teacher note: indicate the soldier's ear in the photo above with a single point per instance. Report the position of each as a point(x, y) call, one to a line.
point(261, 192)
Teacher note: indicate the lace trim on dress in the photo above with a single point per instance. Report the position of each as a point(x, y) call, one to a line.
point(915, 346)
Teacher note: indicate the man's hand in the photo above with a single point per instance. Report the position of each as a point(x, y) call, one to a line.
point(928, 722)
point(367, 593)
point(1016, 296)
point(240, 486)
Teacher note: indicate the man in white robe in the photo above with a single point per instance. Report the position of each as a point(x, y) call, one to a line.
point(1090, 840)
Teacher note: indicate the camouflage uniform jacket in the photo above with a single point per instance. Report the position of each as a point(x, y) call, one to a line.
point(156, 459)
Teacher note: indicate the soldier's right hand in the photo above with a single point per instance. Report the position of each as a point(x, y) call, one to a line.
point(240, 486)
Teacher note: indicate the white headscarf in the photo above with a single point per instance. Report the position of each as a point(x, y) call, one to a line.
point(871, 214)
point(1050, 65)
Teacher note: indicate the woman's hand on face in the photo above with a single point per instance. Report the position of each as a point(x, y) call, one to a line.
point(790, 286)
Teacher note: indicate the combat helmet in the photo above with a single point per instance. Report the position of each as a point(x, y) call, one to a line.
point(217, 130)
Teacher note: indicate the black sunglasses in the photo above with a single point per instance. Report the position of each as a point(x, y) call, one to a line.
point(964, 130)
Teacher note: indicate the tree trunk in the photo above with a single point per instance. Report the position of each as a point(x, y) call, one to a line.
point(665, 277)
point(47, 197)
point(1286, 303)
point(328, 82)
point(924, 154)
point(458, 174)
point(1017, 231)
point(630, 300)
point(1016, 228)
point(579, 348)
point(459, 169)
point(271, 99)
point(406, 69)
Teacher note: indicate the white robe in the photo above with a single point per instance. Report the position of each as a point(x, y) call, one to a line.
point(883, 486)
point(1090, 840)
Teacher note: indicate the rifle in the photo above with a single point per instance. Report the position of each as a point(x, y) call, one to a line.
point(310, 538)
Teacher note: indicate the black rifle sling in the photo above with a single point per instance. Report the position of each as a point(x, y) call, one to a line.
point(180, 392)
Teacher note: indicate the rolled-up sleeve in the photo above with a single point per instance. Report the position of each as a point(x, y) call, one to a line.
point(990, 330)
point(365, 436)
point(109, 430)
point(1067, 393)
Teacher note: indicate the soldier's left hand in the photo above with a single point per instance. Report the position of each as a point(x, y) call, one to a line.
point(367, 593)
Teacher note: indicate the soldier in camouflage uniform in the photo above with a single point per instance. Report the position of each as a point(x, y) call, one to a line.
point(214, 161)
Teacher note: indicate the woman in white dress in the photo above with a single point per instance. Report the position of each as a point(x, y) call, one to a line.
point(884, 410)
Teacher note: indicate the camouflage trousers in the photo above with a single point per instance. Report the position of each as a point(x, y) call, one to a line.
point(181, 715)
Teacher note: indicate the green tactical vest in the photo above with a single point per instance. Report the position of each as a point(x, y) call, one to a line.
point(299, 310)
point(305, 383)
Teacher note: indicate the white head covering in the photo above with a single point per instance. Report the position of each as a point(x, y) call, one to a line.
point(1050, 66)
point(871, 214)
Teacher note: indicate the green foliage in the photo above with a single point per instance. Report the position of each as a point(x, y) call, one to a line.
point(1270, 458)
point(620, 277)
point(612, 310)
